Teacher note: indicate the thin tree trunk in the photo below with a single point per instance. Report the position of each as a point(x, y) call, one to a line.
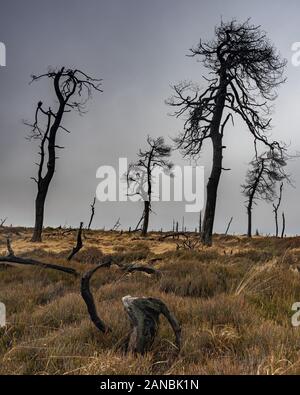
point(283, 226)
point(251, 200)
point(92, 213)
point(249, 211)
point(228, 226)
point(276, 224)
point(200, 223)
point(146, 218)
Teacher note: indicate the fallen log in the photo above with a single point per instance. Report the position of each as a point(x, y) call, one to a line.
point(11, 258)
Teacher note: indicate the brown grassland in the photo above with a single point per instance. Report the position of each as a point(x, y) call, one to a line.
point(233, 301)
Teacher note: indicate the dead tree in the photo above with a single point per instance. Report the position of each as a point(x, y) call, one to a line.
point(72, 88)
point(92, 213)
point(79, 243)
point(116, 225)
point(243, 71)
point(276, 208)
point(264, 173)
point(143, 312)
point(228, 226)
point(2, 222)
point(12, 258)
point(283, 225)
point(200, 222)
point(144, 318)
point(187, 242)
point(140, 174)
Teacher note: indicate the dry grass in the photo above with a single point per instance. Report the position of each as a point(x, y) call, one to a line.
point(233, 301)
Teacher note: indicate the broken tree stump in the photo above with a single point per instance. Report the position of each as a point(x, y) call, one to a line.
point(144, 315)
point(79, 244)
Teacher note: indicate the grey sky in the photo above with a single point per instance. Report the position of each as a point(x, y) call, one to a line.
point(138, 47)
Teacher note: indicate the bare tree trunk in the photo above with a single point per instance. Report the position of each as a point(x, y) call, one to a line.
point(200, 223)
point(276, 224)
point(249, 212)
point(92, 213)
point(283, 225)
point(251, 200)
point(228, 226)
point(212, 188)
point(44, 182)
point(39, 216)
point(146, 218)
point(275, 210)
point(216, 132)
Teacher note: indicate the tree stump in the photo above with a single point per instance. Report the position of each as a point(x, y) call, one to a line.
point(144, 319)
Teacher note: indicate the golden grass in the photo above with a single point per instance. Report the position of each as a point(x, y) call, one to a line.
point(233, 300)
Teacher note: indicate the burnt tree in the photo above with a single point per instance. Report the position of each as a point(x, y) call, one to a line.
point(276, 208)
point(72, 89)
point(92, 213)
point(243, 71)
point(140, 174)
point(262, 177)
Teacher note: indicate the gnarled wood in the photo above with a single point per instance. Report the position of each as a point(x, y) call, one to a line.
point(144, 318)
point(11, 258)
point(89, 299)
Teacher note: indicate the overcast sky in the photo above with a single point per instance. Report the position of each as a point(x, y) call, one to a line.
point(138, 48)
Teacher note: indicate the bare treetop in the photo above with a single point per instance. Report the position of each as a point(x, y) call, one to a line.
point(72, 82)
point(72, 88)
point(244, 72)
point(245, 69)
point(246, 54)
point(264, 174)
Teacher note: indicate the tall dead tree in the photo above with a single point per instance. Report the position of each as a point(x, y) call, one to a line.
point(264, 173)
point(140, 173)
point(243, 71)
point(92, 213)
point(276, 208)
point(72, 89)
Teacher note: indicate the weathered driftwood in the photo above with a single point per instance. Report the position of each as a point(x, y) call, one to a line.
point(11, 258)
point(79, 244)
point(144, 319)
point(89, 299)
